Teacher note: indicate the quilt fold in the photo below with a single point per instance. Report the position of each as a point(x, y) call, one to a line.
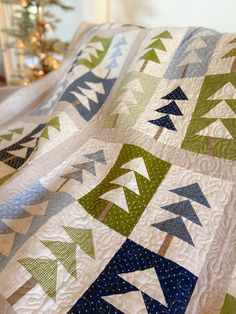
point(117, 177)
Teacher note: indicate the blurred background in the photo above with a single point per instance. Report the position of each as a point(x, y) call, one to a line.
point(35, 33)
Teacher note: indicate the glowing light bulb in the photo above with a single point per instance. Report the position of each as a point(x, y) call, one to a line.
point(24, 3)
point(20, 43)
point(42, 56)
point(48, 27)
point(33, 39)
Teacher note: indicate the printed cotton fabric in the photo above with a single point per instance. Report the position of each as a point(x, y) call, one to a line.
point(117, 180)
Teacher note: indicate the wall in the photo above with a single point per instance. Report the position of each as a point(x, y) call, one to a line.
point(218, 14)
point(95, 11)
point(70, 19)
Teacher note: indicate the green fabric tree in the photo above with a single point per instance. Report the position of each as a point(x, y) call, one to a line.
point(157, 43)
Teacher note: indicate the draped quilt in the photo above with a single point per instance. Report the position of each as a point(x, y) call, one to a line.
point(117, 177)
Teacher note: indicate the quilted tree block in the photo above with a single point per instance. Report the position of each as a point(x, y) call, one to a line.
point(24, 214)
point(90, 224)
point(168, 114)
point(120, 199)
point(131, 99)
point(95, 51)
point(137, 279)
point(194, 54)
point(17, 153)
point(88, 93)
point(212, 130)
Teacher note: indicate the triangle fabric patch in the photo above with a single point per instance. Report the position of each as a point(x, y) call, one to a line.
point(203, 33)
point(6, 243)
point(87, 56)
point(197, 43)
point(172, 108)
point(157, 44)
point(116, 54)
point(216, 130)
point(37, 209)
point(7, 137)
point(83, 238)
point(30, 144)
point(138, 165)
point(90, 94)
point(54, 123)
point(192, 57)
point(146, 281)
point(22, 153)
point(164, 34)
point(230, 54)
point(45, 273)
point(229, 306)
point(97, 45)
point(98, 156)
point(19, 225)
point(221, 111)
point(121, 42)
point(193, 192)
point(228, 91)
point(88, 166)
point(92, 51)
point(184, 209)
point(151, 55)
point(117, 197)
point(164, 122)
point(83, 100)
point(112, 65)
point(121, 108)
point(97, 87)
point(17, 131)
point(128, 95)
point(127, 302)
point(176, 228)
point(176, 94)
point(66, 254)
point(131, 261)
point(76, 175)
point(135, 85)
point(128, 180)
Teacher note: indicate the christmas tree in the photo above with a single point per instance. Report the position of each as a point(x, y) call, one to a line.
point(31, 34)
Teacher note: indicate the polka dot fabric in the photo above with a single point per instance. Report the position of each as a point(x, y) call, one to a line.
point(176, 282)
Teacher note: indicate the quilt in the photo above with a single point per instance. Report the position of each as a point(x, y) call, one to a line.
point(117, 177)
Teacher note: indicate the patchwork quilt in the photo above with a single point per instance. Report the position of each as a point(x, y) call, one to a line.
point(117, 177)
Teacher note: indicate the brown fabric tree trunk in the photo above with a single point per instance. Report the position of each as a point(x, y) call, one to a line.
point(185, 71)
point(211, 146)
point(115, 120)
point(105, 212)
point(63, 183)
point(143, 66)
point(159, 132)
point(165, 245)
point(21, 291)
point(233, 68)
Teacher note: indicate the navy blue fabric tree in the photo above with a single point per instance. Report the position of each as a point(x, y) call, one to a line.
point(177, 283)
point(172, 108)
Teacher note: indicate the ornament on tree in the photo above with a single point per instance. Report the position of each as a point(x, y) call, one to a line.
point(33, 23)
